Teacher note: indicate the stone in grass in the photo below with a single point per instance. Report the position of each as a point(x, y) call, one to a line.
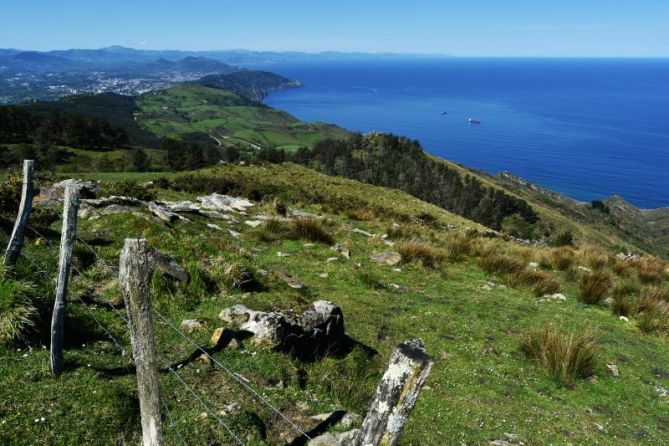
point(612, 370)
point(189, 325)
point(348, 438)
point(390, 258)
point(509, 440)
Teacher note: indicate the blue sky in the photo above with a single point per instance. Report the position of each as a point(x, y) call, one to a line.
point(461, 28)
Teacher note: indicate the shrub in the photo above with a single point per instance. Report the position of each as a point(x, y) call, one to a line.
point(592, 286)
point(654, 316)
point(419, 252)
point(17, 312)
point(563, 239)
point(498, 263)
point(129, 188)
point(539, 281)
point(310, 229)
point(566, 356)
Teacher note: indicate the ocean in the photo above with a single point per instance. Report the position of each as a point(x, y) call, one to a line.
point(588, 128)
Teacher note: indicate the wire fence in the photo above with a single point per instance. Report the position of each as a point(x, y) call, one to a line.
point(111, 269)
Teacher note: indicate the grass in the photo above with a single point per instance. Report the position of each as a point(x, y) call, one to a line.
point(593, 285)
point(17, 310)
point(566, 355)
point(420, 252)
point(472, 395)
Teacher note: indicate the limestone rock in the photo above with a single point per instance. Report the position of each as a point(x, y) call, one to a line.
point(342, 439)
point(612, 370)
point(189, 325)
point(86, 189)
point(387, 258)
point(343, 250)
point(168, 266)
point(268, 329)
point(113, 199)
point(163, 213)
point(224, 203)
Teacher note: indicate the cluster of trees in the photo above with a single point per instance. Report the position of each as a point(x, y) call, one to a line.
point(58, 128)
point(400, 163)
point(188, 155)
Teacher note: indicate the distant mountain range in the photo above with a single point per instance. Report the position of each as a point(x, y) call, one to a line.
point(122, 58)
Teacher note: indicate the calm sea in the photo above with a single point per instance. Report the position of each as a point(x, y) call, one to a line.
point(586, 128)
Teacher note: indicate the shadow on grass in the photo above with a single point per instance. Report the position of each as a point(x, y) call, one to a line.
point(325, 425)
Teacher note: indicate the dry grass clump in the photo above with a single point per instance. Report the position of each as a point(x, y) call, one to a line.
point(416, 251)
point(310, 229)
point(624, 306)
point(566, 356)
point(273, 229)
point(653, 316)
point(626, 288)
point(656, 292)
point(404, 231)
point(359, 214)
point(595, 258)
point(650, 270)
point(500, 263)
point(458, 245)
point(592, 286)
point(539, 281)
point(561, 259)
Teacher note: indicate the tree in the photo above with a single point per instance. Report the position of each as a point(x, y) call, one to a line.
point(140, 160)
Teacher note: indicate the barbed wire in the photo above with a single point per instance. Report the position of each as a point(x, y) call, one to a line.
point(207, 409)
point(233, 375)
point(230, 373)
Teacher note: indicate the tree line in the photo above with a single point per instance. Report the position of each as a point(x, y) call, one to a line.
point(398, 162)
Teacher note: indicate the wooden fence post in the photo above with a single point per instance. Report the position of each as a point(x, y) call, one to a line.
point(135, 268)
point(396, 395)
point(68, 235)
point(16, 241)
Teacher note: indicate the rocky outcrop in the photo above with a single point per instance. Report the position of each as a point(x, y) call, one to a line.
point(56, 192)
point(317, 330)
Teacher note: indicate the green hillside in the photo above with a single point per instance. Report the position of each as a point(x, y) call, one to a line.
point(227, 118)
point(473, 299)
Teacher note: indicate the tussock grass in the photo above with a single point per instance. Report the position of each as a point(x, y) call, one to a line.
point(566, 355)
point(359, 214)
point(310, 229)
point(650, 270)
point(561, 259)
point(656, 292)
point(498, 263)
point(420, 252)
point(592, 286)
point(626, 288)
point(624, 306)
point(370, 280)
point(653, 316)
point(458, 246)
point(17, 312)
point(539, 281)
point(595, 258)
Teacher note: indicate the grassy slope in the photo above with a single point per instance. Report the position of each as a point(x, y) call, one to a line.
point(481, 386)
point(195, 108)
point(566, 214)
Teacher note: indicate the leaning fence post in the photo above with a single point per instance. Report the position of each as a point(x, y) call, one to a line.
point(16, 241)
point(68, 235)
point(396, 395)
point(135, 268)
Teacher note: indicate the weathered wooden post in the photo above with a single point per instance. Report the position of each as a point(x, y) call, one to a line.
point(135, 268)
point(396, 395)
point(16, 241)
point(67, 237)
